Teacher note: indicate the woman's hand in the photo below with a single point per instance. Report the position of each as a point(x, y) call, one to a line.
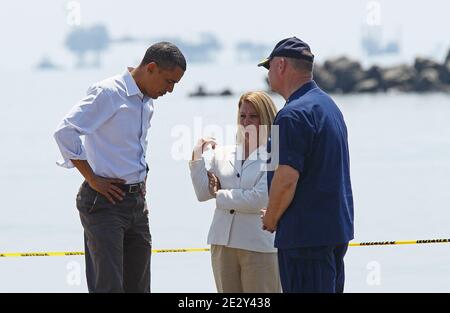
point(201, 145)
point(214, 184)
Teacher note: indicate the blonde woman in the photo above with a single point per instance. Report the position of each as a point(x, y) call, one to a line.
point(242, 253)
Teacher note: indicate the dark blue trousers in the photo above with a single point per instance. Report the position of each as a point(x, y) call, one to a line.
point(312, 269)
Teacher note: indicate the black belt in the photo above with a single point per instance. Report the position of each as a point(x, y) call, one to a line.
point(132, 188)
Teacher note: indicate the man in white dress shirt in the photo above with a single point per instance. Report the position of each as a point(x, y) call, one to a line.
point(114, 118)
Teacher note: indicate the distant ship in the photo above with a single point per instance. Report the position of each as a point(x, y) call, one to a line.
point(373, 44)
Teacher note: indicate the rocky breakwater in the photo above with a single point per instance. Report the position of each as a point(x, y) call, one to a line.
point(344, 75)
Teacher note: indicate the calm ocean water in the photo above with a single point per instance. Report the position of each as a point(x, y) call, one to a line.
point(399, 147)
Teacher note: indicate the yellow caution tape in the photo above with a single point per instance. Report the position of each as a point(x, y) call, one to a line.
point(352, 244)
point(29, 254)
point(25, 254)
point(390, 243)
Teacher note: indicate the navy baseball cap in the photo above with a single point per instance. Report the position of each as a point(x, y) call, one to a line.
point(290, 48)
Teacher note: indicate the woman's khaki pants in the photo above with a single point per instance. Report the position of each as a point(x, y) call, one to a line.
point(238, 270)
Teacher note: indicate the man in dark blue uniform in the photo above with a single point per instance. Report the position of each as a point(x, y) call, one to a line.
point(310, 198)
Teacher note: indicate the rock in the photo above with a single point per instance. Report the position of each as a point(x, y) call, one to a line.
point(199, 93)
point(447, 59)
point(399, 77)
point(430, 67)
point(376, 72)
point(428, 80)
point(324, 79)
point(226, 92)
point(445, 73)
point(367, 85)
point(421, 64)
point(347, 73)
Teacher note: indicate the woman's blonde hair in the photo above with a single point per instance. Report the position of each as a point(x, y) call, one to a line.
point(266, 110)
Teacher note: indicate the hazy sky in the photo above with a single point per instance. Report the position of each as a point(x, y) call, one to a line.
point(31, 29)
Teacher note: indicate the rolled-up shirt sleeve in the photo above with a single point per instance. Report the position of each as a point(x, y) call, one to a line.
point(83, 119)
point(296, 136)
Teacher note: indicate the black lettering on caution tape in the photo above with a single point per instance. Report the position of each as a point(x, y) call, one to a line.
point(382, 243)
point(433, 241)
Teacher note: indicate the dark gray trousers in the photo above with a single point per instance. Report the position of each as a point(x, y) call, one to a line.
point(117, 242)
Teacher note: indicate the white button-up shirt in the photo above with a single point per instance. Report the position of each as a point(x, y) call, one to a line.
point(114, 118)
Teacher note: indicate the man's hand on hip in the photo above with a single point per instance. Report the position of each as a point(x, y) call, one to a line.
point(106, 187)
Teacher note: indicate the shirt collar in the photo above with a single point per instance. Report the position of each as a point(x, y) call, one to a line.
point(130, 84)
point(302, 90)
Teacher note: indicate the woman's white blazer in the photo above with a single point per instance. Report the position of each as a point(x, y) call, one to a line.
point(236, 222)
